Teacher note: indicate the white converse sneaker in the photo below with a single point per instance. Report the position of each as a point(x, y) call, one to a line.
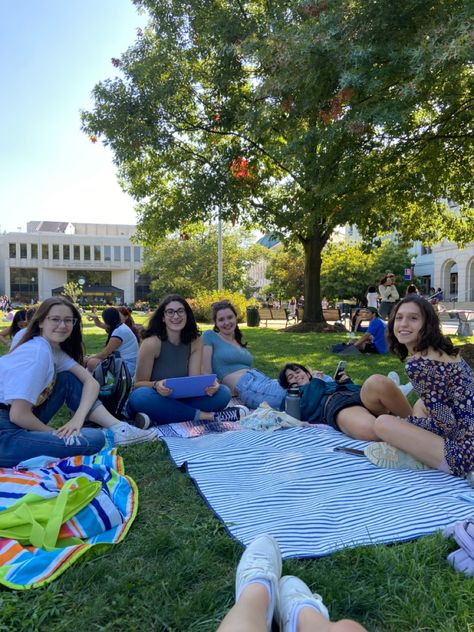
point(125, 434)
point(260, 560)
point(406, 389)
point(385, 455)
point(293, 593)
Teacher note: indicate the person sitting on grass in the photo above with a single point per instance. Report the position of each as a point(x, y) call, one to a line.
point(172, 347)
point(41, 374)
point(120, 338)
point(8, 333)
point(345, 406)
point(439, 433)
point(373, 340)
point(125, 316)
point(261, 595)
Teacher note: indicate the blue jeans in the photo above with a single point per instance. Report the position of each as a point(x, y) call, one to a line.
point(255, 387)
point(166, 410)
point(17, 444)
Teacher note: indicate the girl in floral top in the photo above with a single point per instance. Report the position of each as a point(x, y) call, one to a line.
point(440, 432)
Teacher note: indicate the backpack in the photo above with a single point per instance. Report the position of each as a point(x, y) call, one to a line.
point(115, 383)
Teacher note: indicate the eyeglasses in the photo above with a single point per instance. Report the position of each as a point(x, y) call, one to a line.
point(56, 321)
point(173, 312)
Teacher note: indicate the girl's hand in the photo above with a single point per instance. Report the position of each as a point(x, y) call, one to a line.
point(161, 389)
point(71, 428)
point(212, 390)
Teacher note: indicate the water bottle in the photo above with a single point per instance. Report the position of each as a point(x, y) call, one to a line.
point(293, 401)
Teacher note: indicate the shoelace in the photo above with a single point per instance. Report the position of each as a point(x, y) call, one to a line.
point(229, 415)
point(257, 562)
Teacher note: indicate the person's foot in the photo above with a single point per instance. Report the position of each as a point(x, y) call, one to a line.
point(260, 562)
point(294, 594)
point(232, 413)
point(393, 375)
point(142, 420)
point(406, 389)
point(385, 455)
point(125, 434)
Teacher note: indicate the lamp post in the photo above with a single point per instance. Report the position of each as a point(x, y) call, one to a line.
point(33, 279)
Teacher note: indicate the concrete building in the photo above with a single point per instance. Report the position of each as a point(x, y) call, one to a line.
point(102, 258)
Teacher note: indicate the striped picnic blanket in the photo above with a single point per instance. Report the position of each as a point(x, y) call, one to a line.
point(315, 501)
point(105, 520)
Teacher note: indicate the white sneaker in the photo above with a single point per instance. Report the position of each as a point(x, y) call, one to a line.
point(142, 420)
point(292, 592)
point(385, 455)
point(260, 560)
point(406, 389)
point(393, 375)
point(125, 434)
point(231, 413)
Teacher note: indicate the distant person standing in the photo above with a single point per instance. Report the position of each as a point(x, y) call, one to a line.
point(372, 296)
point(412, 289)
point(388, 294)
point(324, 302)
point(301, 301)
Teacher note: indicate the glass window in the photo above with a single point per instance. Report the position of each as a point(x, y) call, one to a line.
point(87, 253)
point(126, 253)
point(12, 251)
point(116, 253)
point(23, 254)
point(56, 251)
point(136, 254)
point(44, 251)
point(77, 253)
point(66, 252)
point(96, 253)
point(34, 251)
point(107, 253)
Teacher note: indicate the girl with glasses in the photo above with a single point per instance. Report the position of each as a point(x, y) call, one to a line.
point(43, 372)
point(172, 347)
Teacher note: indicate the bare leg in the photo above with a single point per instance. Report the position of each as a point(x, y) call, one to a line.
point(380, 395)
point(311, 621)
point(357, 422)
point(102, 417)
point(249, 613)
point(422, 444)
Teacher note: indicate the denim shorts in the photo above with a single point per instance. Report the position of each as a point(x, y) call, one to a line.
point(255, 387)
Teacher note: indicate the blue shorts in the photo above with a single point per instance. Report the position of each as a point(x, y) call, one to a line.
point(255, 387)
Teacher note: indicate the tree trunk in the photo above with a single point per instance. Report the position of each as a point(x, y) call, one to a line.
point(313, 247)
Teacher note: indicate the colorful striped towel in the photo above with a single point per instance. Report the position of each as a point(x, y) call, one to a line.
point(292, 484)
point(105, 520)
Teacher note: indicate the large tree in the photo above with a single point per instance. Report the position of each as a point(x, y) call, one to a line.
point(187, 264)
point(296, 116)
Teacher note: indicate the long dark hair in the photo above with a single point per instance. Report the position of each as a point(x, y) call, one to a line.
point(111, 317)
point(291, 366)
point(73, 345)
point(430, 333)
point(20, 316)
point(156, 325)
point(216, 307)
point(129, 320)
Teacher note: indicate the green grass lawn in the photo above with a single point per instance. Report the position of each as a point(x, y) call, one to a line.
point(175, 570)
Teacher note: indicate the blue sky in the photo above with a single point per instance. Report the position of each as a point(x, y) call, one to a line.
point(53, 52)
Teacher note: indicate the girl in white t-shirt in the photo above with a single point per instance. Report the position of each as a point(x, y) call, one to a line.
point(121, 338)
point(41, 374)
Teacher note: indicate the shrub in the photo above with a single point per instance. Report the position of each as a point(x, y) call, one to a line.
point(202, 303)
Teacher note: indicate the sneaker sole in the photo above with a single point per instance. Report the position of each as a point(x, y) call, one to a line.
point(148, 436)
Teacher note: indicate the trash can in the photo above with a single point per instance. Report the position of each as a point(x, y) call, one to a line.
point(253, 317)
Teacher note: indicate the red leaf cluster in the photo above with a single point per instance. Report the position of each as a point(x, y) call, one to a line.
point(93, 138)
point(240, 168)
point(314, 10)
point(335, 108)
point(115, 62)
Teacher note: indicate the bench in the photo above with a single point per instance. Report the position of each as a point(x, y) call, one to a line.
point(332, 314)
point(275, 313)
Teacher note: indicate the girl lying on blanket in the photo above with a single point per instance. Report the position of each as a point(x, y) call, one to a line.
point(41, 374)
point(226, 355)
point(345, 406)
point(172, 347)
point(440, 431)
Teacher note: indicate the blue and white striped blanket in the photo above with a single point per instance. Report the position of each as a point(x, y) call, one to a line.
point(313, 500)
